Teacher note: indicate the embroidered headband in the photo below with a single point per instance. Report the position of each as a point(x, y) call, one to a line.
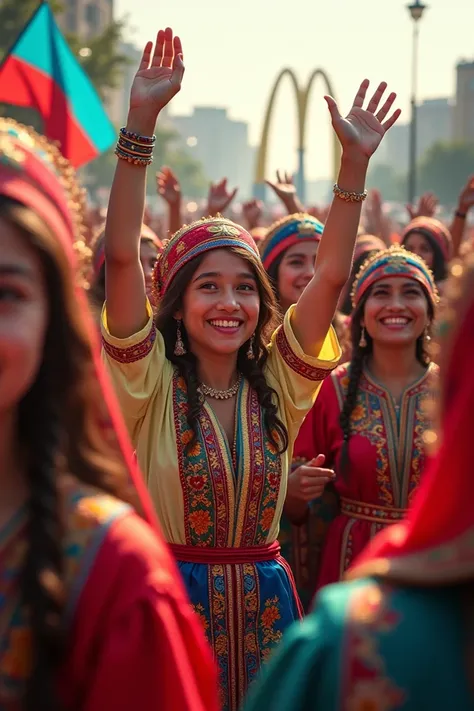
point(196, 239)
point(33, 172)
point(393, 262)
point(287, 232)
point(433, 230)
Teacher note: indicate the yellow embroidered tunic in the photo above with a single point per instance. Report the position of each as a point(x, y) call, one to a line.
point(208, 497)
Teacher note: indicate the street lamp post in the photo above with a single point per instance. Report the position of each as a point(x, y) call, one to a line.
point(416, 10)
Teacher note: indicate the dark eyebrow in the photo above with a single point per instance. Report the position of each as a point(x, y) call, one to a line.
point(15, 270)
point(214, 275)
point(295, 254)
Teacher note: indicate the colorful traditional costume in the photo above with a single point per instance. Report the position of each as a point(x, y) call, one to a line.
point(386, 450)
point(219, 509)
point(399, 636)
point(131, 638)
point(295, 540)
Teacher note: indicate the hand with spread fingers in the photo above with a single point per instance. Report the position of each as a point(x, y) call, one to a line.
point(219, 197)
point(284, 188)
point(427, 206)
point(168, 186)
point(252, 210)
point(160, 74)
point(307, 482)
point(361, 131)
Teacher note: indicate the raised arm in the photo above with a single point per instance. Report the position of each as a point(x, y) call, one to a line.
point(360, 134)
point(156, 82)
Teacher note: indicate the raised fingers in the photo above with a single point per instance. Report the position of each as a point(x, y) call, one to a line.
point(390, 121)
point(386, 107)
point(360, 96)
point(145, 60)
point(375, 100)
point(159, 46)
point(168, 49)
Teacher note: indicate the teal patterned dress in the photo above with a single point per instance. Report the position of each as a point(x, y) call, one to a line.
point(370, 646)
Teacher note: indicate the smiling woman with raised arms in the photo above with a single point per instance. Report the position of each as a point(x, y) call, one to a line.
point(370, 416)
point(212, 394)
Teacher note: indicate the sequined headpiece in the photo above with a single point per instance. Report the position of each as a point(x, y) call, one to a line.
point(435, 232)
point(33, 172)
point(195, 239)
point(393, 262)
point(287, 232)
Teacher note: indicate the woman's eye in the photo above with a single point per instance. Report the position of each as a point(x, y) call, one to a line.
point(208, 286)
point(8, 293)
point(246, 287)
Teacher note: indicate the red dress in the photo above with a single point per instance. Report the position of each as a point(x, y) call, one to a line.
point(133, 641)
point(386, 460)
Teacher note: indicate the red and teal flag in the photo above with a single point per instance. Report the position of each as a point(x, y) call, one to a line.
point(41, 72)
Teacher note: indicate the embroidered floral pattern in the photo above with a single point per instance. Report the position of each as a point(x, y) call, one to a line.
point(295, 363)
point(130, 354)
point(399, 446)
point(88, 516)
point(367, 685)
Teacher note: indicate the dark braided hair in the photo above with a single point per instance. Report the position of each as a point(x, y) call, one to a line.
point(252, 370)
point(356, 367)
point(59, 432)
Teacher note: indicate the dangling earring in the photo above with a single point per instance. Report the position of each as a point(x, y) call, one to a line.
point(426, 335)
point(250, 353)
point(362, 340)
point(179, 349)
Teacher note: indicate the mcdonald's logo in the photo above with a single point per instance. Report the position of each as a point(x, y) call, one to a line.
point(302, 95)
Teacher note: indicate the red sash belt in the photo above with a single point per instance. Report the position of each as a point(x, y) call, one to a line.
point(216, 556)
point(369, 512)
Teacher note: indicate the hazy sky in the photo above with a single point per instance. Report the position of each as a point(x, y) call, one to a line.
point(233, 52)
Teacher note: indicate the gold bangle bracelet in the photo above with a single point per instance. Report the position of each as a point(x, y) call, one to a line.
point(348, 196)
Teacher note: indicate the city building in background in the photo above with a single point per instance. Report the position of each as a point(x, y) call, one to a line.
point(85, 18)
point(220, 144)
point(464, 111)
point(118, 100)
point(434, 123)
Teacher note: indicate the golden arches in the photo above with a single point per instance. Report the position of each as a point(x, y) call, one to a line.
point(302, 96)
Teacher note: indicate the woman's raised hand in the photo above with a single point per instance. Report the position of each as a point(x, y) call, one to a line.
point(159, 76)
point(361, 131)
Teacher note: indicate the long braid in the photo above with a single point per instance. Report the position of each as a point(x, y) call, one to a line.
point(355, 372)
point(252, 369)
point(42, 577)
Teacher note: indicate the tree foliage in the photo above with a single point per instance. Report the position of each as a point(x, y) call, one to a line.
point(193, 182)
point(445, 168)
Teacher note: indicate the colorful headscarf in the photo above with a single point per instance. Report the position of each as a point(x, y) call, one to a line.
point(288, 231)
point(393, 262)
point(193, 240)
point(33, 173)
point(434, 545)
point(434, 231)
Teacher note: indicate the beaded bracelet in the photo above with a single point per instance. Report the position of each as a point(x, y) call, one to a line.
point(134, 148)
point(348, 196)
point(133, 159)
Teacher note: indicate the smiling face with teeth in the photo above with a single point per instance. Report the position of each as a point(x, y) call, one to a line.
point(221, 305)
point(396, 312)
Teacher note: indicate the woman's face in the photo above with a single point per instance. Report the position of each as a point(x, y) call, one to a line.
point(23, 315)
point(420, 245)
point(148, 255)
point(296, 271)
point(221, 305)
point(396, 312)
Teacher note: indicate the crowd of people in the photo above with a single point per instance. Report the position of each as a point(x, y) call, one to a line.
point(235, 459)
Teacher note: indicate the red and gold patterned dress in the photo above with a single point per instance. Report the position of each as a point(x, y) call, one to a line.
point(386, 453)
